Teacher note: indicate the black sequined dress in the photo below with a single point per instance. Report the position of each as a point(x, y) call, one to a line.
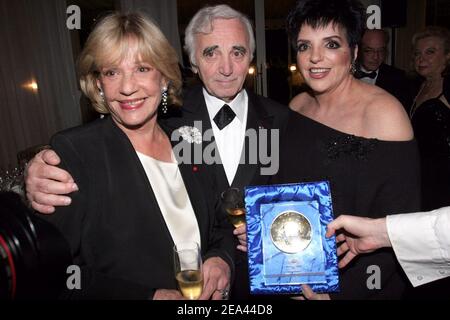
point(431, 123)
point(368, 177)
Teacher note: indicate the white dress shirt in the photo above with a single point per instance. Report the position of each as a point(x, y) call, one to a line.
point(230, 139)
point(421, 242)
point(173, 200)
point(367, 79)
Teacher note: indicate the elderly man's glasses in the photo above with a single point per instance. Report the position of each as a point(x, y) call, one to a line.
point(371, 51)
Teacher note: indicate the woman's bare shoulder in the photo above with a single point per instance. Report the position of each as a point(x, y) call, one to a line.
point(299, 101)
point(385, 118)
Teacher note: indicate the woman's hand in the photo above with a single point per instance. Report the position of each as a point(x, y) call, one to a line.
point(166, 294)
point(309, 294)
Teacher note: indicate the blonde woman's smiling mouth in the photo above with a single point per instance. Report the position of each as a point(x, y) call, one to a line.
point(131, 104)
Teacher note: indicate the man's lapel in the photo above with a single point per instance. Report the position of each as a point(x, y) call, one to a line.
point(195, 110)
point(257, 118)
point(381, 78)
point(194, 107)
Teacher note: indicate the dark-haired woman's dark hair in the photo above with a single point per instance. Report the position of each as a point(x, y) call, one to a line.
point(349, 14)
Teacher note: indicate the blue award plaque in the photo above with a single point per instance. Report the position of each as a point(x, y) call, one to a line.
point(287, 247)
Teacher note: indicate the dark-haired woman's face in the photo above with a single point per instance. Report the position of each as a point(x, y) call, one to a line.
point(429, 57)
point(323, 56)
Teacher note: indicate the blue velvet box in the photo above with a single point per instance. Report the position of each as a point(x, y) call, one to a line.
point(287, 247)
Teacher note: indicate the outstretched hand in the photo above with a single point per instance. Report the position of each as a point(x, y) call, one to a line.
point(360, 235)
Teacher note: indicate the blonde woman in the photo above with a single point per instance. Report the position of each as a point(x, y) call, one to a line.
point(134, 200)
point(430, 114)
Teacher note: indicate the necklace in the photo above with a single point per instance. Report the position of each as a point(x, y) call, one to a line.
point(428, 96)
point(414, 105)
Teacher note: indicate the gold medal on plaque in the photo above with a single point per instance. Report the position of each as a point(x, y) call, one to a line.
point(291, 232)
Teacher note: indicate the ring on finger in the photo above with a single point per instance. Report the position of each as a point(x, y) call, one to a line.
point(225, 293)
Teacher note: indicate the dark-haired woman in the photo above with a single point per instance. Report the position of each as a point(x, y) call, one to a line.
point(355, 135)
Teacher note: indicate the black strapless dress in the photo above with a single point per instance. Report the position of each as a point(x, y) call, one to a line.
point(368, 177)
point(431, 123)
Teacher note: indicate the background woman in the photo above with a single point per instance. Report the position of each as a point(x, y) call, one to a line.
point(430, 117)
point(134, 200)
point(355, 135)
point(430, 114)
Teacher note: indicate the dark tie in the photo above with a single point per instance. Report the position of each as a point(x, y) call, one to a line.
point(224, 116)
point(361, 74)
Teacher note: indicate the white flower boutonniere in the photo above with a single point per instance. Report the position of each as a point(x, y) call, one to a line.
point(190, 134)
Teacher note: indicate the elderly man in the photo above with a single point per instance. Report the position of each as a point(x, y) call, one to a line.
point(220, 43)
point(373, 69)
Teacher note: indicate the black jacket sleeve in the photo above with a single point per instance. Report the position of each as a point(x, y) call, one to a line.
point(71, 221)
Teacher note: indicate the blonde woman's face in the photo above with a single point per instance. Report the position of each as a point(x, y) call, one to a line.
point(132, 90)
point(429, 57)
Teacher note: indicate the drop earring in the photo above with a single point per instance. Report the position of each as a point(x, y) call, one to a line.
point(164, 100)
point(353, 67)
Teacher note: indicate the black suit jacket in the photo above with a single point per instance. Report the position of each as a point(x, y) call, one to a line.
point(394, 81)
point(115, 228)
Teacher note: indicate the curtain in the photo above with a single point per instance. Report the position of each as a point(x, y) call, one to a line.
point(416, 14)
point(35, 47)
point(163, 12)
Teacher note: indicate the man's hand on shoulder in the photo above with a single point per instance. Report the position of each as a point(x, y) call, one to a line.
point(46, 183)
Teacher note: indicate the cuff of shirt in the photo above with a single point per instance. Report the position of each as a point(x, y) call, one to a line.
point(418, 240)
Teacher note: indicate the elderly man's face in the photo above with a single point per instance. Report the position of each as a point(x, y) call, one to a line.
point(223, 58)
point(373, 50)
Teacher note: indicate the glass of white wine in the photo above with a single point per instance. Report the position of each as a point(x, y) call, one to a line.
point(188, 269)
point(233, 203)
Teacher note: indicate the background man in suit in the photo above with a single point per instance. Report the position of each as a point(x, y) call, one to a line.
point(220, 43)
point(373, 69)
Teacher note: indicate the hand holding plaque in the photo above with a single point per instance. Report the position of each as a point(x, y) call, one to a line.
point(233, 203)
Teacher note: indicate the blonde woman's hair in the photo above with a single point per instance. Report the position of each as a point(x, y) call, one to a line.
point(440, 33)
point(108, 44)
